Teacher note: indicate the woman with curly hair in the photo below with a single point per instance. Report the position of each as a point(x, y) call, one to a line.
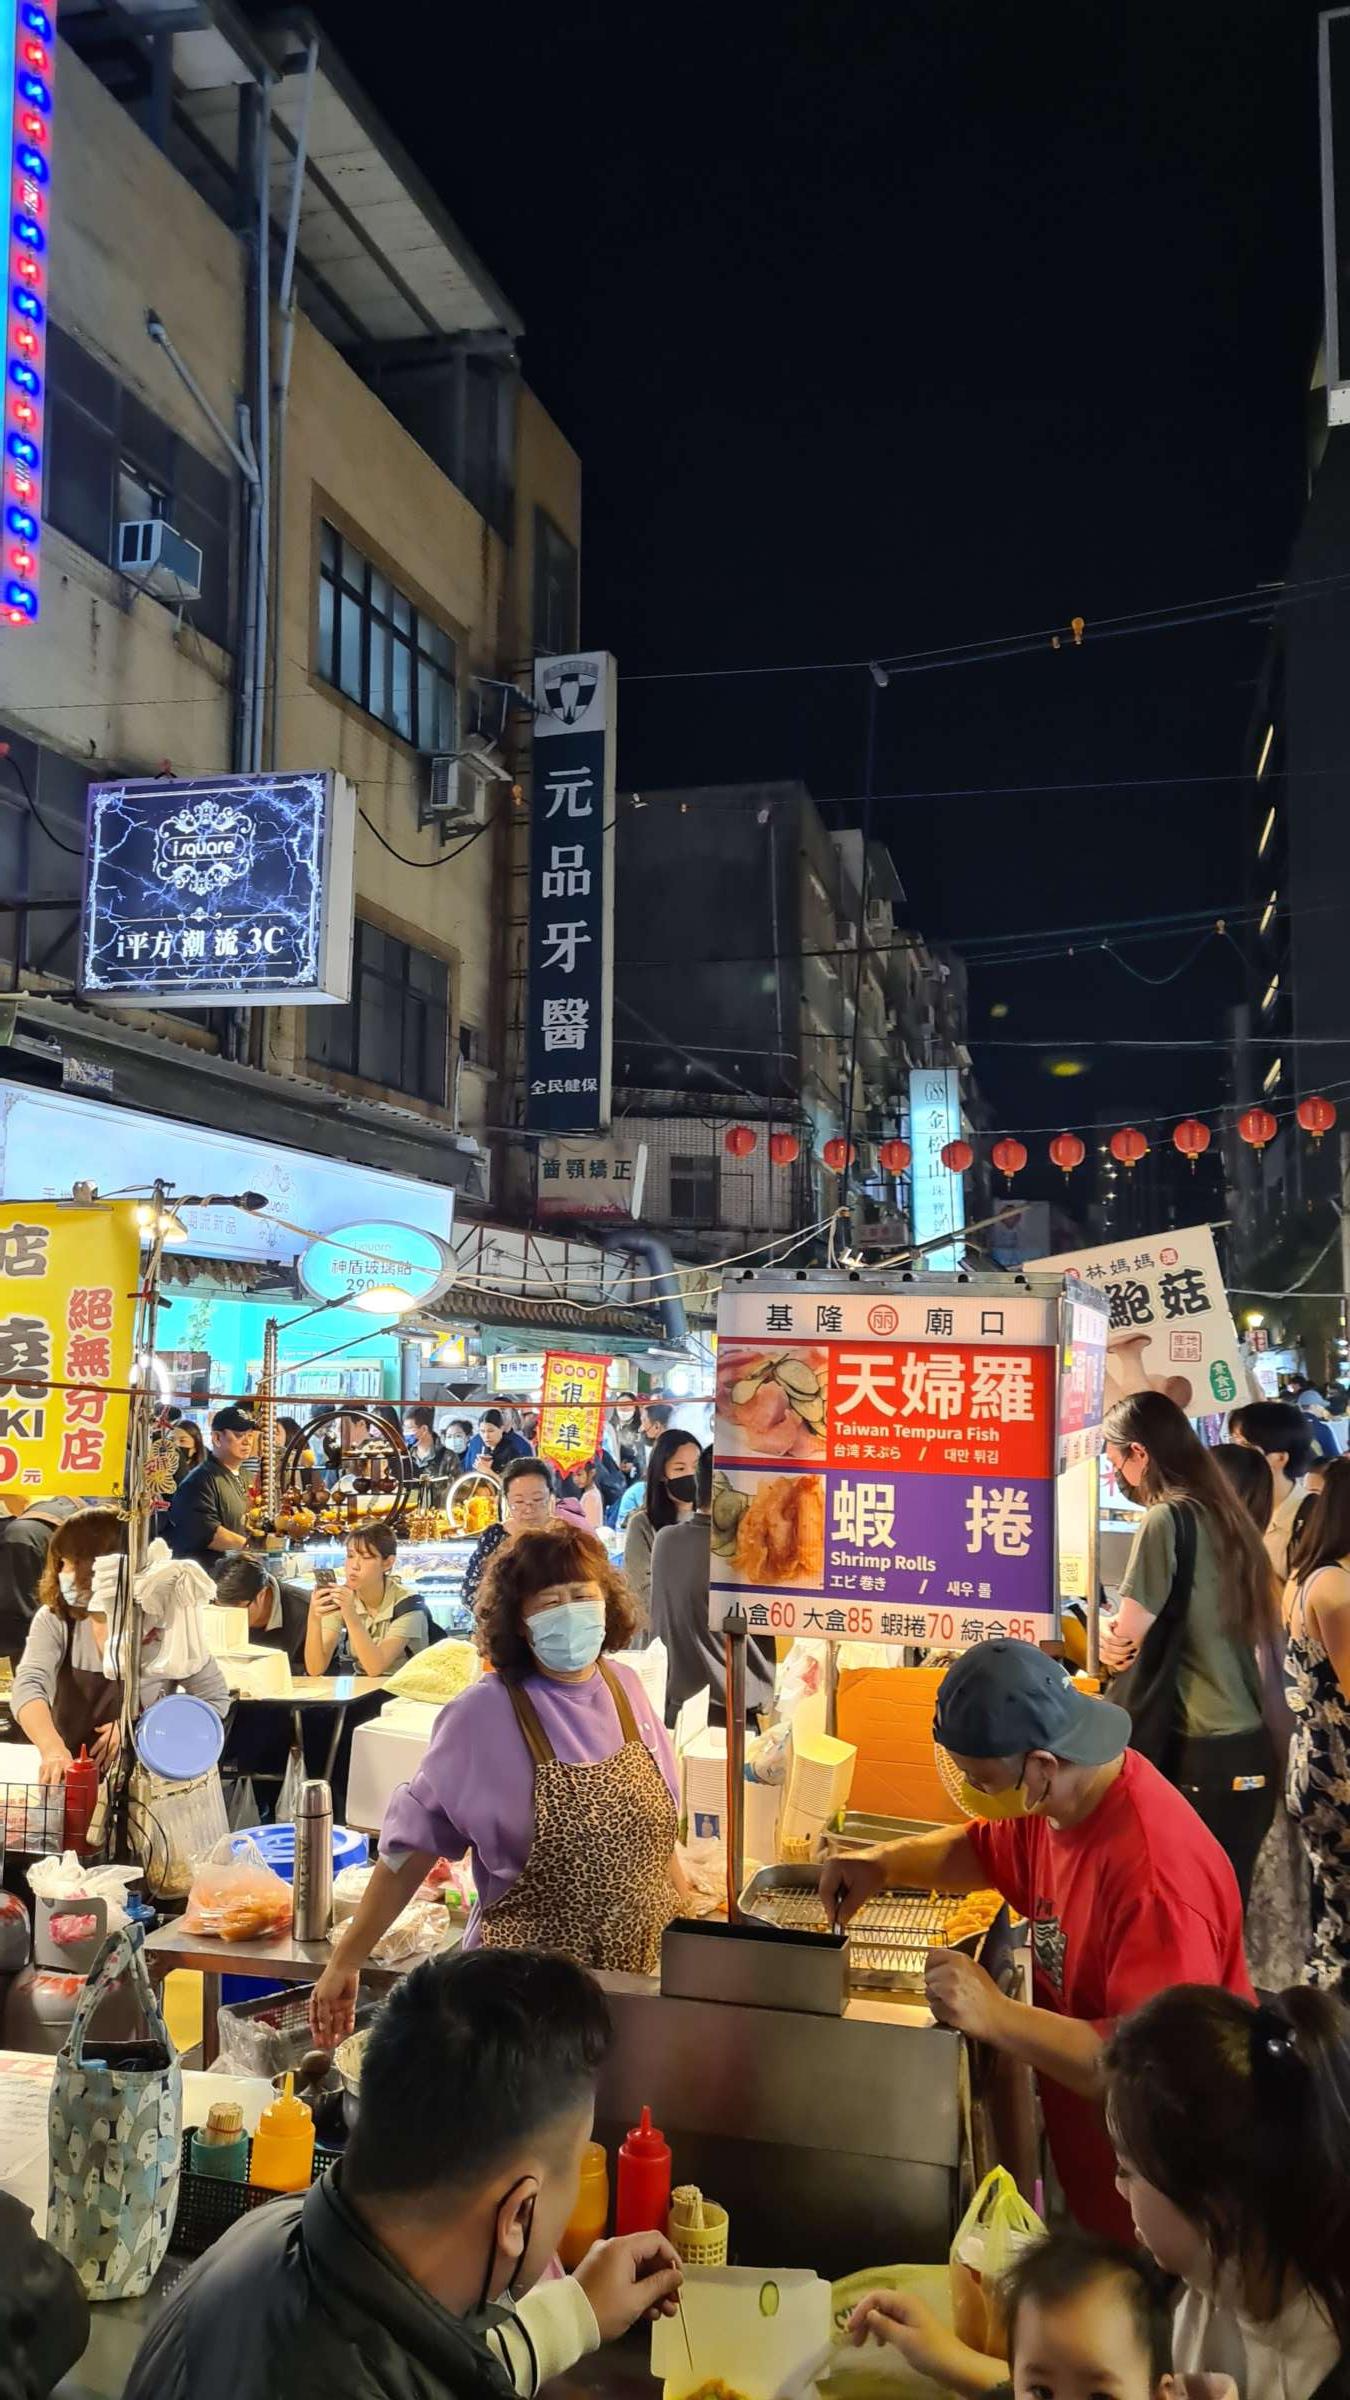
point(554, 1772)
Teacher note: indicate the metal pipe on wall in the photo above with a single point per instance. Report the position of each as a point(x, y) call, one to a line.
point(286, 308)
point(263, 414)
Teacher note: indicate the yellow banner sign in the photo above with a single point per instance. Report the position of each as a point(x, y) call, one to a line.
point(571, 1418)
point(68, 1280)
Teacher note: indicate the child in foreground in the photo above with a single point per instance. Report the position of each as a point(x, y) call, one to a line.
point(1086, 2321)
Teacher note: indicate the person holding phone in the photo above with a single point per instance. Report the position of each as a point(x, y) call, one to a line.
point(368, 1623)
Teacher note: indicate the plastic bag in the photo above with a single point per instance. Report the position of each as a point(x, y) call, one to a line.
point(236, 1895)
point(288, 1798)
point(68, 1878)
point(996, 2228)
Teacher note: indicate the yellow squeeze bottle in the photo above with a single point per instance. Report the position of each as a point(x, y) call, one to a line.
point(283, 2146)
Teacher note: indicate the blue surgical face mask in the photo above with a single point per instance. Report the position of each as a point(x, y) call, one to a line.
point(568, 1637)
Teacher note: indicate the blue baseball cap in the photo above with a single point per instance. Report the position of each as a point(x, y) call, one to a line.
point(1003, 1698)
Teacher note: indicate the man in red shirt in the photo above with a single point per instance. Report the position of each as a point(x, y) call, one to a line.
point(1125, 1890)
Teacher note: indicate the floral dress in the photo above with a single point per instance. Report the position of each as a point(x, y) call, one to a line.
point(1318, 1794)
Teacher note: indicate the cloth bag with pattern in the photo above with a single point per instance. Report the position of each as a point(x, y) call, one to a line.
point(115, 2131)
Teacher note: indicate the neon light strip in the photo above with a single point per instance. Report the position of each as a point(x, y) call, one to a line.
point(27, 64)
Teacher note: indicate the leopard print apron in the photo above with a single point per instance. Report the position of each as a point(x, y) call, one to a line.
point(597, 1881)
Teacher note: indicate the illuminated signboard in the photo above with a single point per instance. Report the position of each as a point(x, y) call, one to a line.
point(570, 984)
point(27, 57)
point(938, 1195)
point(235, 888)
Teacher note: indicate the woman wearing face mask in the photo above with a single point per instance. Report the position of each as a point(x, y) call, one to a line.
point(554, 1773)
point(672, 1488)
point(64, 1695)
point(1199, 1562)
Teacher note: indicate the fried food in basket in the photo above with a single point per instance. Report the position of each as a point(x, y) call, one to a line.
point(781, 1538)
point(715, 2389)
point(974, 1914)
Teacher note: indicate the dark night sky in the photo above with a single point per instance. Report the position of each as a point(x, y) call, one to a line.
point(880, 327)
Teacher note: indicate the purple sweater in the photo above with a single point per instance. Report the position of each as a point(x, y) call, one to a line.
point(475, 1788)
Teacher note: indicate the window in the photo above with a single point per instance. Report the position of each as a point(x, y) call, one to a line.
point(381, 651)
point(396, 1029)
point(110, 458)
point(555, 587)
point(694, 1189)
point(472, 1046)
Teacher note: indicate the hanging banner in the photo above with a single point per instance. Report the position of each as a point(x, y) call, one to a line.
point(885, 1459)
point(572, 1411)
point(1082, 1374)
point(1169, 1325)
point(68, 1280)
point(569, 1033)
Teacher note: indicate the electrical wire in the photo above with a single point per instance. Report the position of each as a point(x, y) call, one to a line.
point(404, 861)
point(6, 751)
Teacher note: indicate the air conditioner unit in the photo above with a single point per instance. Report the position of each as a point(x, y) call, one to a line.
point(454, 800)
point(156, 556)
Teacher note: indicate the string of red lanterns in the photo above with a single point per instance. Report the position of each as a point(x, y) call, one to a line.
point(1191, 1138)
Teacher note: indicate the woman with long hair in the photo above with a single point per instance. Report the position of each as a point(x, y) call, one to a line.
point(1317, 1673)
point(554, 1773)
point(1214, 1571)
point(672, 1488)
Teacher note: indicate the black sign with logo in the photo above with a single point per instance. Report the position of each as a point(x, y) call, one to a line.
point(571, 850)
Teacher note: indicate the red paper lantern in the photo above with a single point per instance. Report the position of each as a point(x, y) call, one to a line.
point(957, 1157)
point(1067, 1152)
point(1009, 1157)
point(1257, 1127)
point(838, 1153)
point(1316, 1116)
point(1191, 1138)
point(1128, 1146)
point(784, 1149)
point(895, 1157)
point(739, 1140)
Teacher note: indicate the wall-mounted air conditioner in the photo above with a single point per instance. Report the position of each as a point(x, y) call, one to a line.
point(453, 800)
point(156, 556)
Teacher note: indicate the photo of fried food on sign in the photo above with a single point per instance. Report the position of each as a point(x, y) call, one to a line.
point(770, 1528)
point(771, 1401)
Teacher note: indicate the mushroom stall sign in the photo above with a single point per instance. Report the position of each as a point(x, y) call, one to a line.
point(1170, 1327)
point(885, 1458)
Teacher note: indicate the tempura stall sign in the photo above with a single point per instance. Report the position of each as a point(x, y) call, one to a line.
point(68, 1281)
point(572, 1408)
point(885, 1457)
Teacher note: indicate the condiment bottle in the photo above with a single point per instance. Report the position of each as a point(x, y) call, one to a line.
point(81, 1800)
point(283, 2146)
point(590, 2209)
point(643, 2200)
point(220, 2146)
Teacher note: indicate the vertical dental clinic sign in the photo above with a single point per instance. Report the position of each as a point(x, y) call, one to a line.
point(571, 915)
point(234, 888)
point(938, 1196)
point(27, 62)
point(885, 1459)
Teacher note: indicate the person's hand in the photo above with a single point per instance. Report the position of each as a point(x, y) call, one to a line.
point(327, 1600)
point(332, 2005)
point(55, 1760)
point(1117, 1650)
point(907, 2324)
point(961, 1994)
point(105, 1747)
point(847, 1882)
point(636, 2275)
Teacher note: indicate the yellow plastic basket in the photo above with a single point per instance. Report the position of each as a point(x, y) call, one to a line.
point(697, 2227)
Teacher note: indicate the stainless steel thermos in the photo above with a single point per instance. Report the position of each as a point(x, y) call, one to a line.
point(313, 1861)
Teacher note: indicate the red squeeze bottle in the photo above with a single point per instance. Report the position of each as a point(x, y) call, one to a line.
point(81, 1800)
point(642, 2202)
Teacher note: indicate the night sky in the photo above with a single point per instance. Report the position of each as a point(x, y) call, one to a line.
point(885, 327)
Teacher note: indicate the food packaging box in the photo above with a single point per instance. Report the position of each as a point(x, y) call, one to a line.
point(761, 2334)
point(254, 1671)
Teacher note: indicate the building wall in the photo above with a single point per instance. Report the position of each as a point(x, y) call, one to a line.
point(105, 676)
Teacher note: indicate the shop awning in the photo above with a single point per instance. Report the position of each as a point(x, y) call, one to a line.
point(465, 1305)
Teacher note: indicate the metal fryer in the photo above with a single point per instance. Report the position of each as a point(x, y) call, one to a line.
point(889, 1939)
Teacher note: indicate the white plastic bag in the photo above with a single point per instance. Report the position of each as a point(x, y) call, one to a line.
point(68, 1878)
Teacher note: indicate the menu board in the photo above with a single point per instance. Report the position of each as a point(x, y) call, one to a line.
point(885, 1460)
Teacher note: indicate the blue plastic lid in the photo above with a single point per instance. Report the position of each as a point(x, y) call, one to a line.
point(277, 1844)
point(179, 1737)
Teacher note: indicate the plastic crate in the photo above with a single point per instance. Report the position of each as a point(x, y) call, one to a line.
point(208, 2206)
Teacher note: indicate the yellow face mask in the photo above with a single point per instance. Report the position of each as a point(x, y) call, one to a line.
point(995, 1807)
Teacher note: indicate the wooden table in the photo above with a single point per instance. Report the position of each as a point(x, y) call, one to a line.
point(278, 1958)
